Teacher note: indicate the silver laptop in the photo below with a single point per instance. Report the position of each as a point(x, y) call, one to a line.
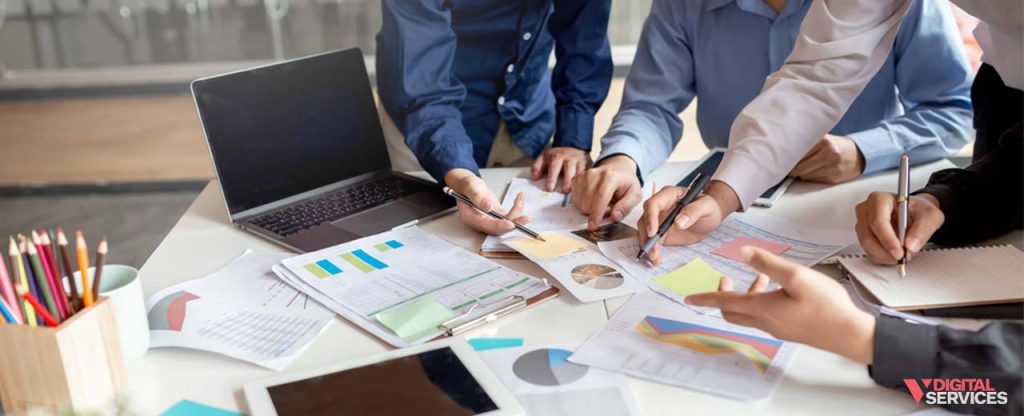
point(300, 154)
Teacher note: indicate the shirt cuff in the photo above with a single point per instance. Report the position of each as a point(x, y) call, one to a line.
point(612, 146)
point(574, 128)
point(879, 149)
point(744, 177)
point(903, 350)
point(442, 159)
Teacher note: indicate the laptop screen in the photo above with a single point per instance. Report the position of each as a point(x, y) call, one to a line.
point(284, 129)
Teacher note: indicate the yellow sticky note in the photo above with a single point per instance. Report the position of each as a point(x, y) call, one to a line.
point(415, 320)
point(695, 277)
point(555, 245)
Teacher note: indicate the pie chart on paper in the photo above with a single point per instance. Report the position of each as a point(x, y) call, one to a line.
point(548, 367)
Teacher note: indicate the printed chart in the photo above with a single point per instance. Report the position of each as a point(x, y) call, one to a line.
point(654, 338)
point(358, 259)
point(711, 341)
point(548, 367)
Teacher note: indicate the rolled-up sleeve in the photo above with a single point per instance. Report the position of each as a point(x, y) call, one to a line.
point(904, 350)
point(583, 68)
point(660, 85)
point(841, 46)
point(416, 47)
point(934, 83)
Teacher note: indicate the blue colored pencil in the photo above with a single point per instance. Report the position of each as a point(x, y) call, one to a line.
point(5, 310)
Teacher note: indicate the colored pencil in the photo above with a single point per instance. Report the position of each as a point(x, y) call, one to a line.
point(40, 310)
point(8, 289)
point(51, 259)
point(101, 256)
point(45, 284)
point(26, 309)
point(83, 267)
point(8, 312)
point(62, 244)
point(33, 287)
point(51, 278)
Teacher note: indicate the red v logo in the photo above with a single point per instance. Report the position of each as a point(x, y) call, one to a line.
point(915, 390)
point(927, 382)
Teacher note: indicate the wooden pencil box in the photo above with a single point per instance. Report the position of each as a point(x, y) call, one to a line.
point(76, 366)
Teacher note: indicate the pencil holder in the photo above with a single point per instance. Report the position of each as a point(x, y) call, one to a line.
point(75, 366)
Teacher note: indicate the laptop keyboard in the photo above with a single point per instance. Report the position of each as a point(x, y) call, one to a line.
point(336, 205)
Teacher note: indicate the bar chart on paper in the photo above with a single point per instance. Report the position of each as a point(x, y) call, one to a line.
point(386, 271)
point(654, 338)
point(358, 260)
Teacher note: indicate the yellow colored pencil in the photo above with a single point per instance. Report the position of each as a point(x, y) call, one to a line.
point(83, 267)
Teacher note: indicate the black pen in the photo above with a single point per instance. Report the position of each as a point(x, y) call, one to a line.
point(493, 214)
point(692, 192)
point(902, 214)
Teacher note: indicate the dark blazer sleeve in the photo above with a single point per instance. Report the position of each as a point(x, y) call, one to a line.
point(904, 350)
point(985, 199)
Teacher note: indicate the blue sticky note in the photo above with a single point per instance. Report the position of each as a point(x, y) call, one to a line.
point(484, 344)
point(191, 408)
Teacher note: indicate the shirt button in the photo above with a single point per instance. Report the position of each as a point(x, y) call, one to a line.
point(501, 100)
point(527, 36)
point(510, 68)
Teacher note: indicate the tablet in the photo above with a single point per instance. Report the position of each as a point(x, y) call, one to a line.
point(709, 164)
point(439, 378)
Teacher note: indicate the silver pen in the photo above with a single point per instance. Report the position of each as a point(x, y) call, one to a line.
point(493, 214)
point(903, 214)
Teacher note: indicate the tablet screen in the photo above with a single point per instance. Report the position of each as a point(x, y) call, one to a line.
point(429, 383)
point(710, 165)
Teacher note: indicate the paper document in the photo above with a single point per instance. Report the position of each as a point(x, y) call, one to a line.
point(807, 247)
point(546, 384)
point(383, 273)
point(586, 273)
point(656, 339)
point(547, 211)
point(242, 311)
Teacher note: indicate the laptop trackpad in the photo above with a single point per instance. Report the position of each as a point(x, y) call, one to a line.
point(382, 218)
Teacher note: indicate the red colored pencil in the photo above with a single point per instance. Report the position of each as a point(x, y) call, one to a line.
point(52, 257)
point(40, 309)
point(56, 291)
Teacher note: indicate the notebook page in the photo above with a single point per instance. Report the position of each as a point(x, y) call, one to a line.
point(944, 278)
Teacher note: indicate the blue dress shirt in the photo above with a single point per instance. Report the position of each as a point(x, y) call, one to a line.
point(450, 71)
point(722, 51)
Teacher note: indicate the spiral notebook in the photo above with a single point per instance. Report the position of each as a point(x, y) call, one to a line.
point(944, 278)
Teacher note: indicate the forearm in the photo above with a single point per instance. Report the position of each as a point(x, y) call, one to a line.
point(905, 350)
point(583, 68)
point(982, 201)
point(840, 48)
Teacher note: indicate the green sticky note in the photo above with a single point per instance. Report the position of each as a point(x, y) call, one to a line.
point(416, 319)
point(695, 277)
point(191, 408)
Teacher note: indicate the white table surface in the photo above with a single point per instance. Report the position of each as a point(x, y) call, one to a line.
point(204, 241)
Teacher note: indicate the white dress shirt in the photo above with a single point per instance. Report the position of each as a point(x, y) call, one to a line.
point(841, 46)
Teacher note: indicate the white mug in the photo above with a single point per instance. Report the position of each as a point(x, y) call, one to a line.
point(121, 284)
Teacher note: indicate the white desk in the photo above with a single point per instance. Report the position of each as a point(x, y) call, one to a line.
point(204, 240)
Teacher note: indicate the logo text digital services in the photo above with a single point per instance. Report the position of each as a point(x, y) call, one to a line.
point(946, 391)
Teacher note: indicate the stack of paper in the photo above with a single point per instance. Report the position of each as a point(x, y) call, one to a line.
point(241, 311)
point(402, 285)
point(547, 211)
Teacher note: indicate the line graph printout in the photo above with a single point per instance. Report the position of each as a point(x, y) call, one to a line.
point(423, 266)
point(807, 247)
point(655, 339)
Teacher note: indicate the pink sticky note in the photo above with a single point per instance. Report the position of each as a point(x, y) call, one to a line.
point(732, 249)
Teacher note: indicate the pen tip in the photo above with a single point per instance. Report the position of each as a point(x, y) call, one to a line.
point(541, 239)
point(903, 271)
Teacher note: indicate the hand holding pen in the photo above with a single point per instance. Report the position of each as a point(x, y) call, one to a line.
point(495, 214)
point(653, 210)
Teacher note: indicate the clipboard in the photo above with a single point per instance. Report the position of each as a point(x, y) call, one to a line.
point(507, 307)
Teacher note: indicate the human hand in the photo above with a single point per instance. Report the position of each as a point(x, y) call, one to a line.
point(564, 162)
point(835, 159)
point(694, 222)
point(876, 225)
point(611, 188)
point(809, 307)
point(469, 185)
